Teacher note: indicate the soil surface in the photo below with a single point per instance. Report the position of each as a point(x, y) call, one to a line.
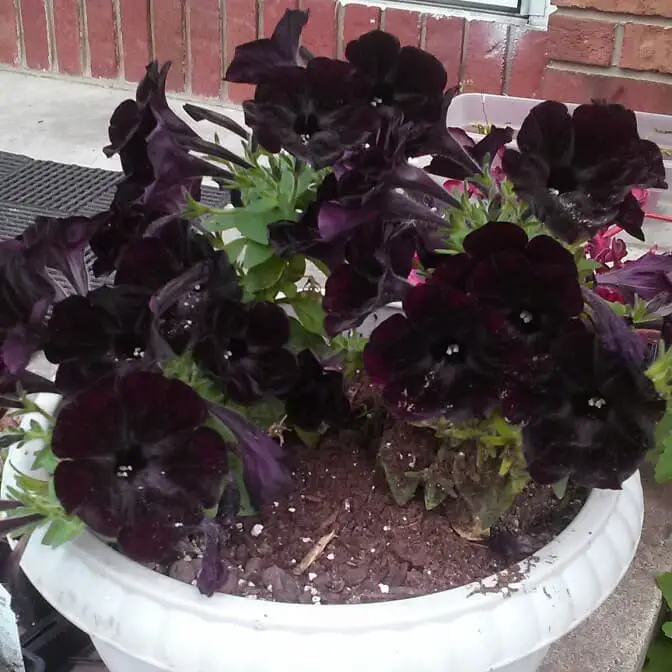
point(341, 538)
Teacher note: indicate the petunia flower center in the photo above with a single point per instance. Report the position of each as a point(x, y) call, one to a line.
point(450, 351)
point(525, 320)
point(382, 94)
point(305, 126)
point(592, 405)
point(562, 180)
point(130, 462)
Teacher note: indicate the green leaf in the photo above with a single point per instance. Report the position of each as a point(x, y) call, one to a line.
point(62, 530)
point(309, 310)
point(659, 655)
point(256, 254)
point(300, 338)
point(560, 488)
point(252, 225)
point(234, 248)
point(45, 459)
point(310, 439)
point(665, 584)
point(236, 467)
point(667, 629)
point(663, 471)
point(296, 268)
point(402, 487)
point(264, 275)
point(435, 494)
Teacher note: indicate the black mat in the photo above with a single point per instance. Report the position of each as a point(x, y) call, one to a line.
point(29, 188)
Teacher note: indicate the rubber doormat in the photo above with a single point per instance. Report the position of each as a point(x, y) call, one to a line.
point(29, 188)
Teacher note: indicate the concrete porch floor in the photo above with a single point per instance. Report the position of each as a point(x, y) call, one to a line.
point(66, 121)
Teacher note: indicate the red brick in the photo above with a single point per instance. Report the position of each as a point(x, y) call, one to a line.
point(135, 32)
point(319, 35)
point(580, 40)
point(274, 11)
point(443, 38)
point(405, 25)
point(205, 22)
point(168, 31)
point(647, 48)
point(637, 7)
point(102, 32)
point(358, 20)
point(9, 43)
point(638, 94)
point(68, 36)
point(35, 38)
point(241, 27)
point(484, 56)
point(528, 58)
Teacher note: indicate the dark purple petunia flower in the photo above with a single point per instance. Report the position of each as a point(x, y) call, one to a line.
point(253, 61)
point(379, 259)
point(577, 172)
point(154, 146)
point(88, 336)
point(60, 243)
point(242, 346)
point(446, 357)
point(317, 397)
point(315, 113)
point(646, 277)
point(136, 463)
point(26, 294)
point(601, 415)
point(406, 78)
point(378, 182)
point(533, 284)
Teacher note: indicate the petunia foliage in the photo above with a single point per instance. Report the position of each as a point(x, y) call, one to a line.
point(374, 274)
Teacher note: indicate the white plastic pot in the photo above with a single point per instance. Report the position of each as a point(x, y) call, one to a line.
point(140, 621)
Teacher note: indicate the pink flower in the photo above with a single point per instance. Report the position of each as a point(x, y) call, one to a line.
point(606, 249)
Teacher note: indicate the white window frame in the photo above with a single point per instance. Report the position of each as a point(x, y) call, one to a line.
point(533, 13)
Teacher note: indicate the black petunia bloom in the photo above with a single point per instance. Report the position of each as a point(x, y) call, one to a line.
point(446, 357)
point(406, 78)
point(136, 463)
point(315, 113)
point(242, 347)
point(253, 61)
point(154, 146)
point(533, 284)
point(378, 182)
point(379, 259)
point(577, 172)
point(317, 397)
point(88, 336)
point(601, 413)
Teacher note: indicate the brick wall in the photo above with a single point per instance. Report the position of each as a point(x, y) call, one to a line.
point(615, 49)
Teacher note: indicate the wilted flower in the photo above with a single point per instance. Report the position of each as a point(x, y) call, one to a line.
point(317, 396)
point(136, 463)
point(446, 357)
point(646, 277)
point(242, 346)
point(26, 295)
point(606, 249)
point(405, 78)
point(577, 172)
point(601, 421)
point(315, 113)
point(60, 243)
point(453, 165)
point(379, 259)
point(253, 61)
